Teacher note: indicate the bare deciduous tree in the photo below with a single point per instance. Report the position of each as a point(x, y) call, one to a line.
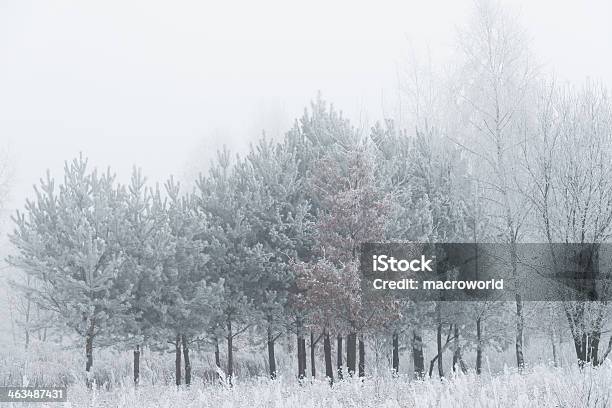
point(496, 77)
point(568, 158)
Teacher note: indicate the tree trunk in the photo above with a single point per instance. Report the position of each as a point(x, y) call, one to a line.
point(301, 370)
point(177, 359)
point(395, 356)
point(301, 350)
point(313, 371)
point(457, 349)
point(339, 362)
point(329, 370)
point(580, 346)
point(137, 365)
point(303, 357)
point(230, 352)
point(594, 347)
point(361, 357)
point(607, 352)
point(586, 339)
point(187, 361)
point(478, 347)
point(439, 340)
point(89, 353)
point(299, 355)
point(351, 353)
point(457, 355)
point(587, 348)
point(432, 363)
point(520, 323)
point(417, 355)
point(554, 347)
point(217, 353)
point(289, 343)
point(303, 354)
point(271, 357)
point(520, 319)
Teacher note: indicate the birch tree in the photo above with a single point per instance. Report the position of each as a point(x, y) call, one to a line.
point(495, 80)
point(568, 160)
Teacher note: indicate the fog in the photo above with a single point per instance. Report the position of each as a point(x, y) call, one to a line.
point(163, 84)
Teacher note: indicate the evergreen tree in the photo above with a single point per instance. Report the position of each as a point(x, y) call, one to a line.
point(67, 240)
point(235, 255)
point(189, 294)
point(278, 212)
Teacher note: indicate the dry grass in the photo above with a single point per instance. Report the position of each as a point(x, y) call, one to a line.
point(540, 386)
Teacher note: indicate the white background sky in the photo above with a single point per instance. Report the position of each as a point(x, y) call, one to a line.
point(158, 83)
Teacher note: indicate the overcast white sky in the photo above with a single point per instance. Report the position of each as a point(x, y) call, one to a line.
point(158, 83)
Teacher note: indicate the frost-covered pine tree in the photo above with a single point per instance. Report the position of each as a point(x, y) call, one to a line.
point(352, 210)
point(187, 295)
point(147, 243)
point(236, 256)
point(278, 212)
point(320, 130)
point(66, 239)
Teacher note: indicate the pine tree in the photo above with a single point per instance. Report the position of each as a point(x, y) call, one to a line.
point(67, 240)
point(352, 210)
point(147, 243)
point(189, 294)
point(277, 210)
point(236, 256)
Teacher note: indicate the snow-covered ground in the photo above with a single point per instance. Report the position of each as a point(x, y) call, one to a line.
point(541, 387)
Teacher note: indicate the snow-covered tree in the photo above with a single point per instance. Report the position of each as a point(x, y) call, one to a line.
point(568, 161)
point(352, 210)
point(236, 256)
point(146, 242)
point(277, 210)
point(67, 240)
point(496, 78)
point(187, 295)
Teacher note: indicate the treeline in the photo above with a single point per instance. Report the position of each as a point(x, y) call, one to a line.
point(269, 242)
